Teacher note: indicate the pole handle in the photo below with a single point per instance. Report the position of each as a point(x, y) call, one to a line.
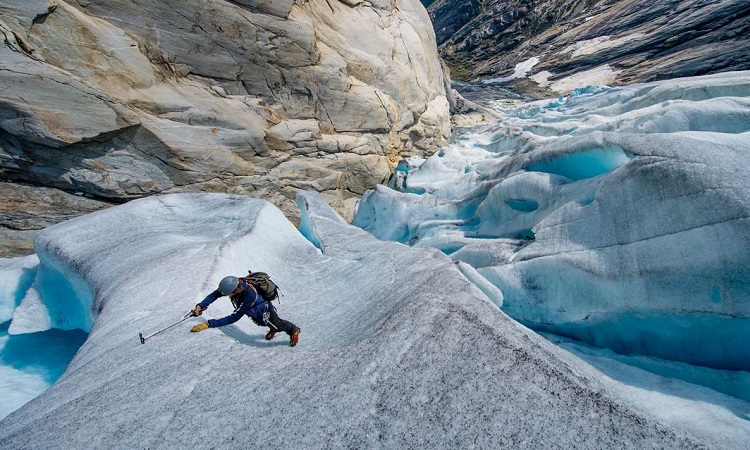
point(143, 339)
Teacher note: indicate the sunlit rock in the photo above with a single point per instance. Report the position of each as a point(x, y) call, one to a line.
point(121, 100)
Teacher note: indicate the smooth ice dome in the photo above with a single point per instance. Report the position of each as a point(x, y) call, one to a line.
point(399, 348)
point(618, 217)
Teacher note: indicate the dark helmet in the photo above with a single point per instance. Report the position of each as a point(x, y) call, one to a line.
point(227, 285)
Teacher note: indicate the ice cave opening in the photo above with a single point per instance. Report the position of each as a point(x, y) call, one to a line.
point(34, 357)
point(583, 164)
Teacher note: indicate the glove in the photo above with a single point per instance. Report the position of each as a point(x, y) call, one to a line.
point(197, 311)
point(200, 327)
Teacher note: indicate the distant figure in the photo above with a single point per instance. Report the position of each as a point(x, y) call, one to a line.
point(247, 301)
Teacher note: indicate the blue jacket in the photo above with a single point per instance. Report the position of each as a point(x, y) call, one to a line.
point(248, 303)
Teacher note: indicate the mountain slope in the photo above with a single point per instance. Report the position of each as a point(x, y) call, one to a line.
point(614, 42)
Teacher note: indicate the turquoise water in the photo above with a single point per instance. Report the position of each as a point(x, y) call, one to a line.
point(31, 363)
point(585, 164)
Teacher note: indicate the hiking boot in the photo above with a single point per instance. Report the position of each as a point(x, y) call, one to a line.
point(270, 335)
point(294, 338)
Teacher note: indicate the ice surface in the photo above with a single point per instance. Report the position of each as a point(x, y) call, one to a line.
point(619, 217)
point(489, 289)
point(30, 362)
point(31, 315)
point(582, 164)
point(16, 276)
point(58, 298)
point(398, 348)
point(658, 390)
point(732, 383)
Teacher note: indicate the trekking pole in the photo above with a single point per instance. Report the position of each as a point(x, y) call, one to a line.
point(187, 316)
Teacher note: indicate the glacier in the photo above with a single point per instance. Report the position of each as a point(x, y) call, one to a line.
point(398, 347)
point(30, 362)
point(613, 222)
point(619, 217)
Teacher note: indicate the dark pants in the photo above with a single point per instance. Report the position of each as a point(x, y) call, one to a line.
point(278, 324)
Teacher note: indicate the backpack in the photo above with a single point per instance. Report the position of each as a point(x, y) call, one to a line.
point(263, 284)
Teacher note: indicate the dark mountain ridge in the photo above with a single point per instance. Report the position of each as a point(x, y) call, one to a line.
point(626, 40)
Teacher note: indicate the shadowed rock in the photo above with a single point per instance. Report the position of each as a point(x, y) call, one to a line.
point(610, 43)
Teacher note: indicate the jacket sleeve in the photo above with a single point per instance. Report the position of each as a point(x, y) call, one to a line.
point(210, 298)
point(232, 318)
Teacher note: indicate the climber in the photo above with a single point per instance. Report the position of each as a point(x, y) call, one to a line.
point(246, 301)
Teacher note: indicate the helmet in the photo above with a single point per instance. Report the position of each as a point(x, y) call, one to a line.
point(228, 284)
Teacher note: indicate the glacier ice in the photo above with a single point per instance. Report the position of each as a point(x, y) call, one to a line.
point(17, 276)
point(735, 383)
point(398, 348)
point(616, 216)
point(30, 361)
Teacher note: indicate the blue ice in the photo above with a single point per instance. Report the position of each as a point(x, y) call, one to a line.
point(584, 164)
point(688, 338)
point(523, 205)
point(30, 363)
point(615, 217)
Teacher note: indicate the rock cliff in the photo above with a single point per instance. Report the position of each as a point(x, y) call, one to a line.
point(120, 100)
point(563, 44)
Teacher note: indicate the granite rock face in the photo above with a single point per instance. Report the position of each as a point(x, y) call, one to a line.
point(580, 42)
point(120, 100)
point(26, 209)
